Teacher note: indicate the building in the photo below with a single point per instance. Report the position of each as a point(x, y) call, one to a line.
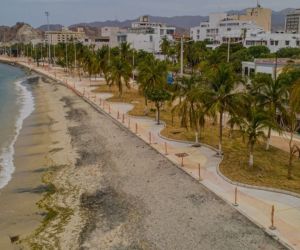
point(146, 35)
point(108, 37)
point(221, 27)
point(262, 17)
point(267, 65)
point(112, 34)
point(292, 22)
point(274, 41)
point(63, 36)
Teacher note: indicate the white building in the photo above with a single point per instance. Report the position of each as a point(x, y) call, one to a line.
point(267, 65)
point(292, 22)
point(274, 41)
point(222, 27)
point(146, 35)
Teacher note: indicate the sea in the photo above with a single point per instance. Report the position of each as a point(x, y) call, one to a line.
point(16, 104)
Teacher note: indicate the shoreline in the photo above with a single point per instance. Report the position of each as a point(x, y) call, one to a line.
point(27, 106)
point(25, 186)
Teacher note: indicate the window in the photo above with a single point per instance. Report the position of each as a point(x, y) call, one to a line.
point(287, 43)
point(272, 43)
point(276, 43)
point(151, 39)
point(298, 43)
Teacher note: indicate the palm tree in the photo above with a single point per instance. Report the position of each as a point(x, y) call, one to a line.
point(103, 56)
point(125, 51)
point(289, 121)
point(188, 91)
point(272, 94)
point(120, 73)
point(252, 123)
point(90, 64)
point(221, 96)
point(151, 73)
point(165, 47)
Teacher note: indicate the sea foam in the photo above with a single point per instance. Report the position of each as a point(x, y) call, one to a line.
point(26, 100)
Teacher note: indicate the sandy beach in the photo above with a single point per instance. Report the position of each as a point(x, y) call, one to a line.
point(100, 187)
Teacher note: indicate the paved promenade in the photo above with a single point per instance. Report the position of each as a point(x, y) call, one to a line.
point(253, 203)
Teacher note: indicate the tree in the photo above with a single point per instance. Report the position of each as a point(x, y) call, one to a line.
point(165, 47)
point(120, 73)
point(259, 51)
point(152, 73)
point(189, 91)
point(159, 96)
point(221, 95)
point(125, 52)
point(290, 123)
point(271, 94)
point(252, 123)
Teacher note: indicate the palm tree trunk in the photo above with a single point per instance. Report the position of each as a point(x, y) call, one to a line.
point(268, 138)
point(251, 158)
point(220, 132)
point(120, 88)
point(158, 113)
point(290, 166)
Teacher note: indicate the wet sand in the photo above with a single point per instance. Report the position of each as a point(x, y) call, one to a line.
point(19, 214)
point(112, 191)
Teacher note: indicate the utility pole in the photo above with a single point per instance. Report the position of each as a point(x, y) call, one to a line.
point(181, 57)
point(75, 56)
point(66, 55)
point(228, 50)
point(133, 65)
point(48, 28)
point(276, 65)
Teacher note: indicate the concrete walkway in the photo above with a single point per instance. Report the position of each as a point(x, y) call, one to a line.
point(253, 203)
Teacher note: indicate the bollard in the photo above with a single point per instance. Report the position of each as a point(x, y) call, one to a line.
point(136, 128)
point(199, 167)
point(123, 118)
point(118, 116)
point(150, 138)
point(182, 165)
point(129, 122)
point(166, 149)
point(272, 227)
point(109, 108)
point(235, 197)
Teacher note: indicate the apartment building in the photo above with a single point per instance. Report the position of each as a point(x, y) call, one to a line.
point(274, 41)
point(292, 22)
point(146, 35)
point(64, 36)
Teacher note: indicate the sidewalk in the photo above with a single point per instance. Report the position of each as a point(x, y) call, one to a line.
point(253, 203)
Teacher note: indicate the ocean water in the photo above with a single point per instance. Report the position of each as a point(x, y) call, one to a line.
point(16, 104)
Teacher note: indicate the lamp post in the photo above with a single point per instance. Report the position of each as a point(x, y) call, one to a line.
point(181, 54)
point(47, 13)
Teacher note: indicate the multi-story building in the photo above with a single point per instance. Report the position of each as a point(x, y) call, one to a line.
point(64, 36)
point(221, 27)
point(146, 35)
point(108, 37)
point(271, 66)
point(274, 41)
point(292, 22)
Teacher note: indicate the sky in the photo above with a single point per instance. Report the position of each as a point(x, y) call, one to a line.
point(67, 12)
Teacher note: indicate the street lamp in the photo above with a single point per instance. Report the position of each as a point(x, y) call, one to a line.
point(47, 13)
